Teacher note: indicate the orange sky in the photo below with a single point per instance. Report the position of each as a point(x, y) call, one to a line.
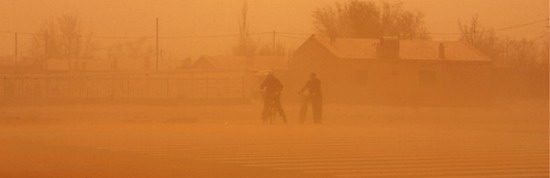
point(134, 18)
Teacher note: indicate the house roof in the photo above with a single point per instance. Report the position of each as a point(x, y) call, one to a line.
point(350, 47)
point(220, 62)
point(361, 48)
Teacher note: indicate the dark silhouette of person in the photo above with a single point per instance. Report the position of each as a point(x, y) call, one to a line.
point(272, 87)
point(315, 96)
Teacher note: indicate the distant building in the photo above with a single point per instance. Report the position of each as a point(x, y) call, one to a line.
point(390, 70)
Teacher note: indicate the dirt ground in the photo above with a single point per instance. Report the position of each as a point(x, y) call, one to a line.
point(129, 140)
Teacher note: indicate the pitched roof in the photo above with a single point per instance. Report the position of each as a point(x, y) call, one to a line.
point(221, 62)
point(351, 48)
point(361, 48)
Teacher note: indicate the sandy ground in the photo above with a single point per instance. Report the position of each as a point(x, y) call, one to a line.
point(508, 140)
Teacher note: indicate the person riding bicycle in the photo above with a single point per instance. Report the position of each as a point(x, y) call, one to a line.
point(315, 97)
point(272, 88)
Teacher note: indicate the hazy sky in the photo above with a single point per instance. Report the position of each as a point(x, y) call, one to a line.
point(135, 18)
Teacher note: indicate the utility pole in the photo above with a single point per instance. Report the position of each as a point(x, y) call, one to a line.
point(274, 43)
point(157, 44)
point(45, 49)
point(39, 62)
point(15, 54)
point(69, 53)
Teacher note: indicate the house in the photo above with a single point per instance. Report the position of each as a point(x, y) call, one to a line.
point(394, 71)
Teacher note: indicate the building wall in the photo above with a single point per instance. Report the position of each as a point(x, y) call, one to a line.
point(386, 81)
point(313, 57)
point(418, 82)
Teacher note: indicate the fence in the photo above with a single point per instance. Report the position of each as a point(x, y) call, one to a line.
point(186, 86)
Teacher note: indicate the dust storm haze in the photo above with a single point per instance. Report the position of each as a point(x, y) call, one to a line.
point(287, 88)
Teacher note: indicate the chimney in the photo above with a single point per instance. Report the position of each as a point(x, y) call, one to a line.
point(389, 47)
point(441, 51)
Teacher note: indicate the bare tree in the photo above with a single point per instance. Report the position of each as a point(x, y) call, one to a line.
point(136, 50)
point(245, 46)
point(62, 38)
point(479, 36)
point(406, 24)
point(521, 64)
point(366, 19)
point(269, 50)
point(521, 54)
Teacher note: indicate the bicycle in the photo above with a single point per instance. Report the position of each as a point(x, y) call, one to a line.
point(272, 111)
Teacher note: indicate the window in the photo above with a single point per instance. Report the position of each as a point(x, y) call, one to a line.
point(427, 78)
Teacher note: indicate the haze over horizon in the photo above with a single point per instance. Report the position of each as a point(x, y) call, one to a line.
point(211, 17)
point(204, 102)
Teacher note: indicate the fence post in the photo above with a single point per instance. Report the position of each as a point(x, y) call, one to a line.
point(128, 87)
point(194, 88)
point(46, 87)
point(148, 86)
point(113, 88)
point(4, 87)
point(243, 79)
point(207, 87)
point(167, 87)
point(87, 86)
point(79, 82)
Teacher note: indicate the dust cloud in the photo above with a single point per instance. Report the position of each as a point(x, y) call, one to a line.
point(192, 89)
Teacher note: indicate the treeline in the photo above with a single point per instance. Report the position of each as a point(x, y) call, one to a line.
point(520, 54)
point(521, 65)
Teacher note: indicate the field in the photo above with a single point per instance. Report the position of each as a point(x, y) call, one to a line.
point(509, 139)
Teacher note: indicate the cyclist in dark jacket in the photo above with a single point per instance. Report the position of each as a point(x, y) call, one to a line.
point(313, 86)
point(272, 88)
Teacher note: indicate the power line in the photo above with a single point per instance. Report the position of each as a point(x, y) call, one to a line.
point(264, 33)
point(540, 37)
point(293, 33)
point(213, 36)
point(91, 36)
point(499, 29)
point(120, 37)
point(293, 37)
point(13, 32)
point(149, 37)
point(117, 45)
